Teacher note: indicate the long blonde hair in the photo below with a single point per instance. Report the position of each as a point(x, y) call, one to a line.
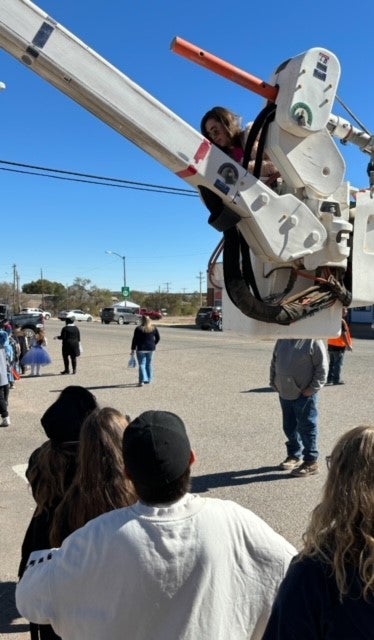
point(99, 484)
point(147, 325)
point(341, 530)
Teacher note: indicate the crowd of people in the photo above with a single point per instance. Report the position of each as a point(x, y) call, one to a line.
point(119, 546)
point(118, 542)
point(19, 354)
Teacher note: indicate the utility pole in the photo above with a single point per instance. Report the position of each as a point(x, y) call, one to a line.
point(17, 290)
point(167, 284)
point(200, 277)
point(14, 286)
point(41, 282)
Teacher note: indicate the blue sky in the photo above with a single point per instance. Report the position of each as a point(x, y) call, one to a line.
point(64, 228)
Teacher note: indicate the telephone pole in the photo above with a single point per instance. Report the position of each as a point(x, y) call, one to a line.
point(14, 286)
point(42, 288)
point(201, 277)
point(17, 292)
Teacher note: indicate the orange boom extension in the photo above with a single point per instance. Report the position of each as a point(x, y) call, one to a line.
point(222, 68)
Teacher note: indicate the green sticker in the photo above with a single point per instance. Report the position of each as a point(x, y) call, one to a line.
point(301, 109)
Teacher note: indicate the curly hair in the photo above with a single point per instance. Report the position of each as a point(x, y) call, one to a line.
point(341, 530)
point(228, 119)
point(99, 484)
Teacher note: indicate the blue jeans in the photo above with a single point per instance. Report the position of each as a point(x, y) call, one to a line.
point(300, 426)
point(145, 365)
point(335, 365)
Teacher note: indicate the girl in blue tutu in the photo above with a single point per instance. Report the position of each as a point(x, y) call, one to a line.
point(37, 356)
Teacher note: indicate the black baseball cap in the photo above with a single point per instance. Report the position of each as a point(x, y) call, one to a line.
point(156, 448)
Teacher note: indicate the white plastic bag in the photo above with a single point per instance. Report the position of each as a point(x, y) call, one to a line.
point(132, 362)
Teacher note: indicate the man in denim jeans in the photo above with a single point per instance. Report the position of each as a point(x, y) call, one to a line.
point(298, 371)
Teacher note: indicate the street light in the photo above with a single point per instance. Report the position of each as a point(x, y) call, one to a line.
point(123, 258)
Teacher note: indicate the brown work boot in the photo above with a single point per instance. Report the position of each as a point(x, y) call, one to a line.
point(305, 470)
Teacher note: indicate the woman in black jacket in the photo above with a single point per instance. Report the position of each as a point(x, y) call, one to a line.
point(144, 341)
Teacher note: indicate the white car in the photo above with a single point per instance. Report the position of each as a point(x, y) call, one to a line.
point(46, 314)
point(78, 314)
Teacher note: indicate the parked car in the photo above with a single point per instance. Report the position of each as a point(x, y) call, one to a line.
point(120, 315)
point(46, 314)
point(4, 311)
point(78, 314)
point(209, 318)
point(28, 322)
point(151, 313)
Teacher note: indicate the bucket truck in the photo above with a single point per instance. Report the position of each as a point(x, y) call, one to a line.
point(293, 258)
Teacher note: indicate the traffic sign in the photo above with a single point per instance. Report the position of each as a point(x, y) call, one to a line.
point(126, 292)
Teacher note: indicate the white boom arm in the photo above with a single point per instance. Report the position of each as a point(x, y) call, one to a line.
point(295, 229)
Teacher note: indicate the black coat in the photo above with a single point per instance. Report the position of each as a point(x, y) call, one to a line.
point(70, 337)
point(37, 538)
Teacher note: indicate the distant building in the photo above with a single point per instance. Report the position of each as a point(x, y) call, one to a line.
point(215, 285)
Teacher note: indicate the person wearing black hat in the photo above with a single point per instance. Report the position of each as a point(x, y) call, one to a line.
point(173, 565)
point(70, 336)
point(50, 472)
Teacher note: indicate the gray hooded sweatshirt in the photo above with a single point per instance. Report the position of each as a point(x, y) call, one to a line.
point(297, 365)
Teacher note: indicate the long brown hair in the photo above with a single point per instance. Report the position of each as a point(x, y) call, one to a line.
point(50, 471)
point(341, 530)
point(40, 336)
point(229, 120)
point(99, 484)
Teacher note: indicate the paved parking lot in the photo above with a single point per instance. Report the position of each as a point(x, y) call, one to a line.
point(218, 384)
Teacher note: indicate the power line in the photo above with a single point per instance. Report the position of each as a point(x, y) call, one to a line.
point(72, 176)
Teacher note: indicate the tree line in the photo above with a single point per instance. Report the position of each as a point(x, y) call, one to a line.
point(82, 294)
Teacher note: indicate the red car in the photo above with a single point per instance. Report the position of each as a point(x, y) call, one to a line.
point(154, 315)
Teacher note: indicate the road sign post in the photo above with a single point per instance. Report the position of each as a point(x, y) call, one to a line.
point(126, 292)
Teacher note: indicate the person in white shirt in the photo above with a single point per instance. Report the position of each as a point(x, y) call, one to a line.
point(172, 566)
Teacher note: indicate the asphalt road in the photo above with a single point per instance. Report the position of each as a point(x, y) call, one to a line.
point(218, 384)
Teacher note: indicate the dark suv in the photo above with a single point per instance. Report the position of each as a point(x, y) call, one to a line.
point(209, 318)
point(28, 322)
